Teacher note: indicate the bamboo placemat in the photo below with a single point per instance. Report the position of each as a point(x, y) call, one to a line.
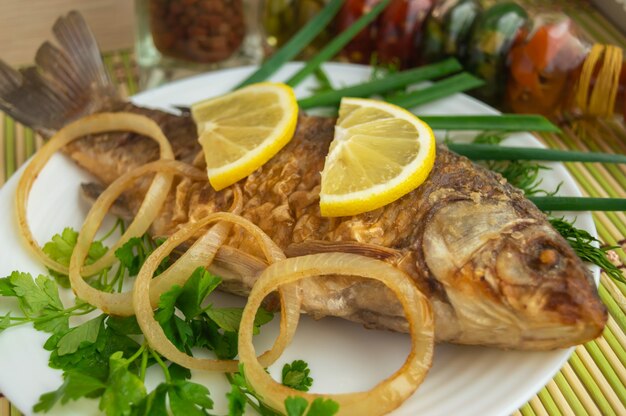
point(593, 380)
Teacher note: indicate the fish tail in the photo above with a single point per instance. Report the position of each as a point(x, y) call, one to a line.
point(66, 82)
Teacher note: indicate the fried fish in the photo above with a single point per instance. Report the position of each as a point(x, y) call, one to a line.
point(496, 272)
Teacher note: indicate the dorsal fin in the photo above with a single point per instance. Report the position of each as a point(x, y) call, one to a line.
point(65, 83)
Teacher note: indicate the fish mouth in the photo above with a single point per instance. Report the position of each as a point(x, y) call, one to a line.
point(510, 280)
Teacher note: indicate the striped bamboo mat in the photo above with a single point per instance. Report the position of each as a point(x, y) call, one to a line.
point(593, 380)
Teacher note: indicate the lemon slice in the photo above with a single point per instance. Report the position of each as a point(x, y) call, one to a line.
point(242, 130)
point(379, 153)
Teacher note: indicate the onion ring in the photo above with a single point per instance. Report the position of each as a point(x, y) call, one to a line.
point(153, 333)
point(95, 124)
point(385, 396)
point(121, 303)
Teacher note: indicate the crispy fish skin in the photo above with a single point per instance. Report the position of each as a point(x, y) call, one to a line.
point(496, 272)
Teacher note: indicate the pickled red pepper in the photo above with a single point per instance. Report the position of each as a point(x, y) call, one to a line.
point(531, 64)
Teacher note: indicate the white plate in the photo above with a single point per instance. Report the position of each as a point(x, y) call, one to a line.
point(343, 356)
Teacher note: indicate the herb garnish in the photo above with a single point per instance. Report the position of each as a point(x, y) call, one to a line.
point(522, 174)
point(102, 358)
point(583, 244)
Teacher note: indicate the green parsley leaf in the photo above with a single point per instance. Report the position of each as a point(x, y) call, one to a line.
point(6, 287)
point(5, 321)
point(179, 332)
point(295, 405)
point(135, 251)
point(132, 255)
point(323, 407)
point(110, 342)
point(75, 386)
point(38, 299)
point(52, 324)
point(238, 379)
point(35, 295)
point(92, 359)
point(225, 345)
point(197, 287)
point(60, 249)
point(188, 398)
point(124, 389)
point(124, 325)
point(228, 319)
point(263, 316)
point(167, 304)
point(236, 401)
point(296, 375)
point(80, 336)
point(61, 246)
point(153, 404)
point(178, 372)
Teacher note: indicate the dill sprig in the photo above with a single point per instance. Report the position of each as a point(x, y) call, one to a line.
point(522, 174)
point(583, 244)
point(489, 137)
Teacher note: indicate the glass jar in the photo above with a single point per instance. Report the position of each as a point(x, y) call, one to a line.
point(400, 32)
point(283, 18)
point(176, 38)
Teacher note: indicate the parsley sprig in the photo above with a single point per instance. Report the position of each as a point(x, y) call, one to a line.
point(296, 373)
point(104, 357)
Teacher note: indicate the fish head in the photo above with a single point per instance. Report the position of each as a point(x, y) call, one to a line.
point(511, 276)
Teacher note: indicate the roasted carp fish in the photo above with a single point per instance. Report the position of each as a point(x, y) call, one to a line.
point(496, 272)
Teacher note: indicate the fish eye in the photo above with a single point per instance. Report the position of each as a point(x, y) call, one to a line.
point(548, 256)
point(545, 255)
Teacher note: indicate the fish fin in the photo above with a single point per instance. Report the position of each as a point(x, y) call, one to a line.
point(66, 82)
point(91, 191)
point(364, 249)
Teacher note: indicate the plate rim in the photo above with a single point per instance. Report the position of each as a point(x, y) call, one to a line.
point(145, 95)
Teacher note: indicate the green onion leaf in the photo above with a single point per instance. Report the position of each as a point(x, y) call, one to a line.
point(379, 86)
point(295, 45)
point(490, 152)
point(334, 46)
point(573, 203)
point(504, 122)
point(456, 83)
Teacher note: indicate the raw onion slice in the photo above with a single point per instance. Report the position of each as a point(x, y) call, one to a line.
point(121, 303)
point(290, 302)
point(96, 124)
point(385, 396)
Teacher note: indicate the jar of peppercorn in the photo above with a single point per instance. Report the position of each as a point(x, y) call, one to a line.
point(178, 37)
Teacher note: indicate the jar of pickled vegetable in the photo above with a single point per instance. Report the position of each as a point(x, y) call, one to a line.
point(448, 29)
point(400, 32)
point(545, 70)
point(362, 46)
point(496, 30)
point(283, 18)
point(197, 34)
